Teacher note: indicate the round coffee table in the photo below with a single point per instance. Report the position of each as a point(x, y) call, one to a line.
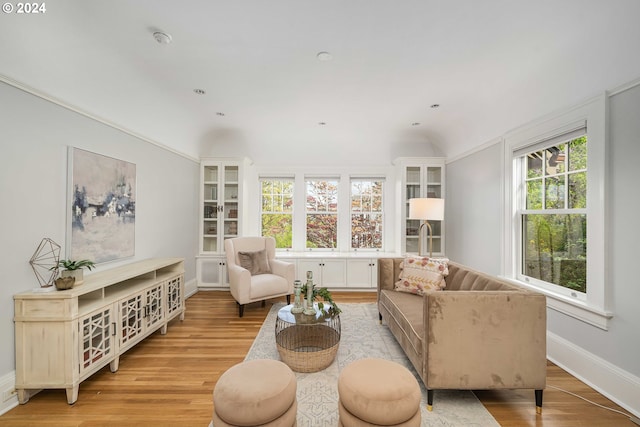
point(307, 343)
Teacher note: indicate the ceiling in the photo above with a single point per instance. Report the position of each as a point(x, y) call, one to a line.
point(491, 65)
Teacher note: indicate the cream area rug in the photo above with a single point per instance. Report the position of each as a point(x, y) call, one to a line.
point(363, 336)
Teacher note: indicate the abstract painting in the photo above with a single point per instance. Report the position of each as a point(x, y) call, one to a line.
point(102, 207)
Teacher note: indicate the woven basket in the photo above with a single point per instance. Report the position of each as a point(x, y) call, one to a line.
point(308, 348)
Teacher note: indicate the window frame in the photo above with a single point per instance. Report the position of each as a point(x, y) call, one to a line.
point(593, 307)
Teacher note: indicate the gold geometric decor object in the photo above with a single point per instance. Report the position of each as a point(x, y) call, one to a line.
point(44, 262)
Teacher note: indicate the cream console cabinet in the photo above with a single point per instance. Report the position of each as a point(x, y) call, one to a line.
point(63, 337)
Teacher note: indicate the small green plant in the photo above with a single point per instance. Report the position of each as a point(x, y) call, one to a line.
point(325, 295)
point(68, 264)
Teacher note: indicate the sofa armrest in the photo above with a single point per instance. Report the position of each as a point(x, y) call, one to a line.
point(388, 272)
point(484, 339)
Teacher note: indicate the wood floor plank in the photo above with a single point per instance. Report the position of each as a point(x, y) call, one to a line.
point(167, 380)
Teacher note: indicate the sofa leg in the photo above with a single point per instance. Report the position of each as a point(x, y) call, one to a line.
point(264, 302)
point(538, 401)
point(240, 310)
point(429, 400)
point(288, 299)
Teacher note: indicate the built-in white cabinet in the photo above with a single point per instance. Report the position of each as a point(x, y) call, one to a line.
point(211, 272)
point(362, 273)
point(327, 272)
point(63, 337)
point(338, 272)
point(221, 202)
point(420, 177)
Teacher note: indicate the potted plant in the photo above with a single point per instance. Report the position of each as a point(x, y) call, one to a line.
point(75, 269)
point(326, 296)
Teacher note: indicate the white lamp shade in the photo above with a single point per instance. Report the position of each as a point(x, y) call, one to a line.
point(429, 209)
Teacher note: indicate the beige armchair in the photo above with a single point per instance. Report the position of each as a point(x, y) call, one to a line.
point(254, 273)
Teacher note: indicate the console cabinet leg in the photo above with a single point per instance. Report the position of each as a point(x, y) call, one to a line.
point(114, 364)
point(163, 330)
point(23, 395)
point(72, 394)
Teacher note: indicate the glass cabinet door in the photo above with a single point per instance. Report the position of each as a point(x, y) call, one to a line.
point(231, 206)
point(96, 338)
point(211, 204)
point(420, 181)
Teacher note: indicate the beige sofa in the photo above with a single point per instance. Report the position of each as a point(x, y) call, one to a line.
point(478, 333)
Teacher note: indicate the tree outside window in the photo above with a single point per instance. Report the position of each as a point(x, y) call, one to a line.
point(277, 210)
point(366, 214)
point(554, 218)
point(322, 213)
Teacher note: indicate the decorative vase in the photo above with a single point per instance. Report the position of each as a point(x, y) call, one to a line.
point(309, 309)
point(64, 283)
point(297, 302)
point(76, 274)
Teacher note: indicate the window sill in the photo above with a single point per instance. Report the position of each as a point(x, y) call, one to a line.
point(577, 309)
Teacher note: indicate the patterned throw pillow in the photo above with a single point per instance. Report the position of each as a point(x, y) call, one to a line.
point(422, 273)
point(255, 262)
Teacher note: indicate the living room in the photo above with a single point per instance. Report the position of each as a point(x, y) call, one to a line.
point(144, 111)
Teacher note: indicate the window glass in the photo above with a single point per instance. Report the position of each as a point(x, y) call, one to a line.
point(554, 221)
point(322, 213)
point(277, 210)
point(366, 214)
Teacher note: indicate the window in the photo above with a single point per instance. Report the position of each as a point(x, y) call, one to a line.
point(555, 236)
point(553, 214)
point(322, 213)
point(366, 213)
point(277, 210)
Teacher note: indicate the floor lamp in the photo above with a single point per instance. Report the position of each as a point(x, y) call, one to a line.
point(426, 209)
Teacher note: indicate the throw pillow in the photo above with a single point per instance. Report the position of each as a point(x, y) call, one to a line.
point(422, 273)
point(256, 262)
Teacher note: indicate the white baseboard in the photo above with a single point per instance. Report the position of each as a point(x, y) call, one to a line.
point(8, 396)
point(609, 380)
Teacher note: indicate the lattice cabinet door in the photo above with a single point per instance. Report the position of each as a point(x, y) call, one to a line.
point(175, 298)
point(96, 335)
point(153, 307)
point(131, 319)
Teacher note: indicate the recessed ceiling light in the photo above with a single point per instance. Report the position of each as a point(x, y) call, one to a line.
point(435, 105)
point(200, 91)
point(162, 38)
point(415, 124)
point(220, 113)
point(324, 56)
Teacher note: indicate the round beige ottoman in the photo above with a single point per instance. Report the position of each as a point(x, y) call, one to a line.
point(256, 393)
point(377, 392)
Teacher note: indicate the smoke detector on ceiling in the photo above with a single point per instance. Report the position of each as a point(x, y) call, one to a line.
point(162, 38)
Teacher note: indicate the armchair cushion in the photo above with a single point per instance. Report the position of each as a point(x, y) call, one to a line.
point(256, 262)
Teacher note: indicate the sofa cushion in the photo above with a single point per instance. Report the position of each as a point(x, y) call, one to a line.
point(405, 316)
point(419, 274)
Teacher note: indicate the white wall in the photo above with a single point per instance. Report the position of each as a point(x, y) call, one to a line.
point(473, 209)
point(607, 360)
point(34, 136)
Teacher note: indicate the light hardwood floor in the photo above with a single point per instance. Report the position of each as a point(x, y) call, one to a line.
point(167, 380)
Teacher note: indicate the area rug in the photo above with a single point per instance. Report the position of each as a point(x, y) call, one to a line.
point(363, 336)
